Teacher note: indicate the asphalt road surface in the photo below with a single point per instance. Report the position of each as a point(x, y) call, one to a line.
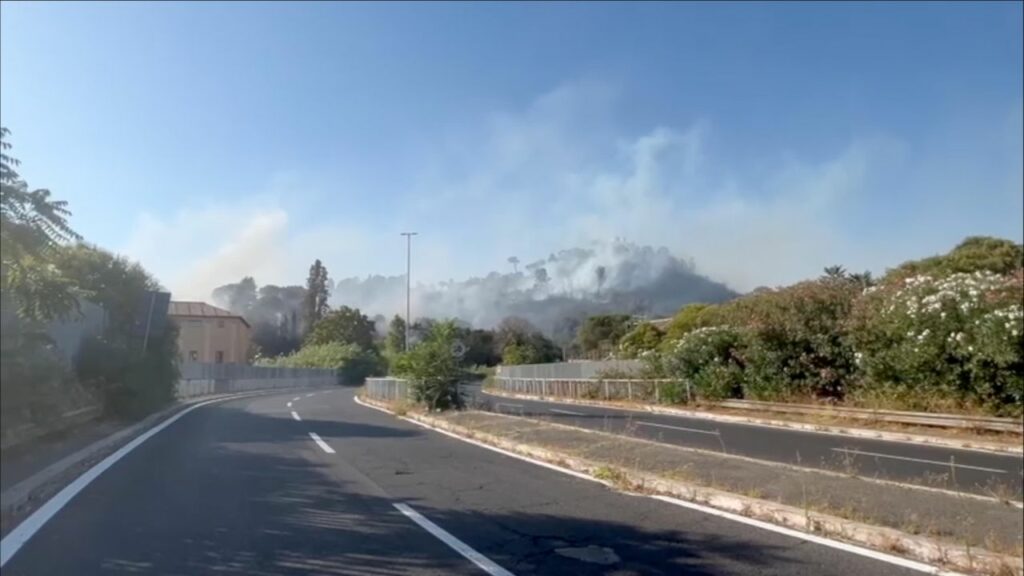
point(249, 487)
point(972, 471)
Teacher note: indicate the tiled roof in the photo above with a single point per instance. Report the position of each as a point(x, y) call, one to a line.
point(200, 309)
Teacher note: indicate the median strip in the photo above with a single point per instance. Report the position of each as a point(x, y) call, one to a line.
point(940, 529)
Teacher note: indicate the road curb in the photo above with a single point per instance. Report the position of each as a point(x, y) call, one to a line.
point(806, 523)
point(818, 428)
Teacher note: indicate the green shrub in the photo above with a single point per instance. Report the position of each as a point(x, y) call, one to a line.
point(353, 363)
point(711, 360)
point(689, 317)
point(925, 341)
point(433, 368)
point(644, 338)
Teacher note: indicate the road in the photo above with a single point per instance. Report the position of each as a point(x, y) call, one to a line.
point(975, 472)
point(243, 487)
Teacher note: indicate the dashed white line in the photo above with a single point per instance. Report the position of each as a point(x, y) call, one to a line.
point(713, 433)
point(296, 399)
point(936, 462)
point(310, 394)
point(289, 404)
point(320, 442)
point(570, 412)
point(485, 563)
point(296, 416)
point(867, 553)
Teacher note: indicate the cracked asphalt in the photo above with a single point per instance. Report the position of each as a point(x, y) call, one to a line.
point(241, 487)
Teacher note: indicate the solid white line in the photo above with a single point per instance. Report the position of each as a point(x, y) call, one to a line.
point(508, 404)
point(296, 416)
point(566, 412)
point(17, 538)
point(641, 423)
point(454, 543)
point(866, 552)
point(320, 442)
point(936, 462)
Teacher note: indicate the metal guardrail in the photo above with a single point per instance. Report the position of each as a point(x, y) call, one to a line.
point(989, 423)
point(389, 389)
point(651, 391)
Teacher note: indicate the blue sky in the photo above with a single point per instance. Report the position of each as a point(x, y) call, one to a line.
point(764, 141)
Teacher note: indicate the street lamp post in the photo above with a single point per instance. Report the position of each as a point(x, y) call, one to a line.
point(408, 283)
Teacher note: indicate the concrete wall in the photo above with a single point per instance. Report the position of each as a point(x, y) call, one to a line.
point(206, 336)
point(201, 379)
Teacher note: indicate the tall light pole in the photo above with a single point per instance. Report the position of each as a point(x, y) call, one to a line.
point(408, 282)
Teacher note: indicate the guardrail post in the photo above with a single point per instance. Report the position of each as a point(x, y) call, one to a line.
point(629, 389)
point(605, 389)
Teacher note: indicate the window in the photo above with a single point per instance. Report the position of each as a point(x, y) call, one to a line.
point(220, 357)
point(193, 356)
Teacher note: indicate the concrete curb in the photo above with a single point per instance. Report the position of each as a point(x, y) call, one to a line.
point(818, 428)
point(888, 540)
point(15, 498)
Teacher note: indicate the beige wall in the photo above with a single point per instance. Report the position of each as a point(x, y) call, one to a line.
point(205, 336)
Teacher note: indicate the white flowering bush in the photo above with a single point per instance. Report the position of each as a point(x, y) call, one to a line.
point(954, 341)
point(710, 359)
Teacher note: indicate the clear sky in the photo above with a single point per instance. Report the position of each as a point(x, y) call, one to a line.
point(764, 141)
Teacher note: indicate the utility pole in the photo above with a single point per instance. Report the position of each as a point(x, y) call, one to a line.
point(408, 283)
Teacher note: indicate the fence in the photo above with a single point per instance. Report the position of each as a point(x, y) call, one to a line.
point(388, 389)
point(570, 370)
point(200, 379)
point(593, 388)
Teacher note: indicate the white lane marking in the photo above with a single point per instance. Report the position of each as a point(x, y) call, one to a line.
point(310, 394)
point(785, 426)
point(17, 538)
point(320, 442)
point(485, 563)
point(289, 404)
point(296, 416)
point(570, 412)
point(713, 433)
point(296, 399)
point(936, 462)
point(508, 404)
point(866, 552)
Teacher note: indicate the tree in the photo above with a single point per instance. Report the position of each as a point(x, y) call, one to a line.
point(396, 334)
point(239, 298)
point(602, 333)
point(345, 325)
point(315, 306)
point(515, 264)
point(600, 274)
point(834, 273)
point(433, 368)
point(513, 329)
point(480, 348)
point(540, 277)
point(32, 227)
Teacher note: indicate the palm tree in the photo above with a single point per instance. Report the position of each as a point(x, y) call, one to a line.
point(515, 264)
point(834, 273)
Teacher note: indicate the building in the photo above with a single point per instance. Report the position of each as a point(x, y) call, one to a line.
point(209, 334)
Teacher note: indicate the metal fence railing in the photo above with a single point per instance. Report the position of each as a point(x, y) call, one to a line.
point(637, 390)
point(387, 389)
point(571, 370)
